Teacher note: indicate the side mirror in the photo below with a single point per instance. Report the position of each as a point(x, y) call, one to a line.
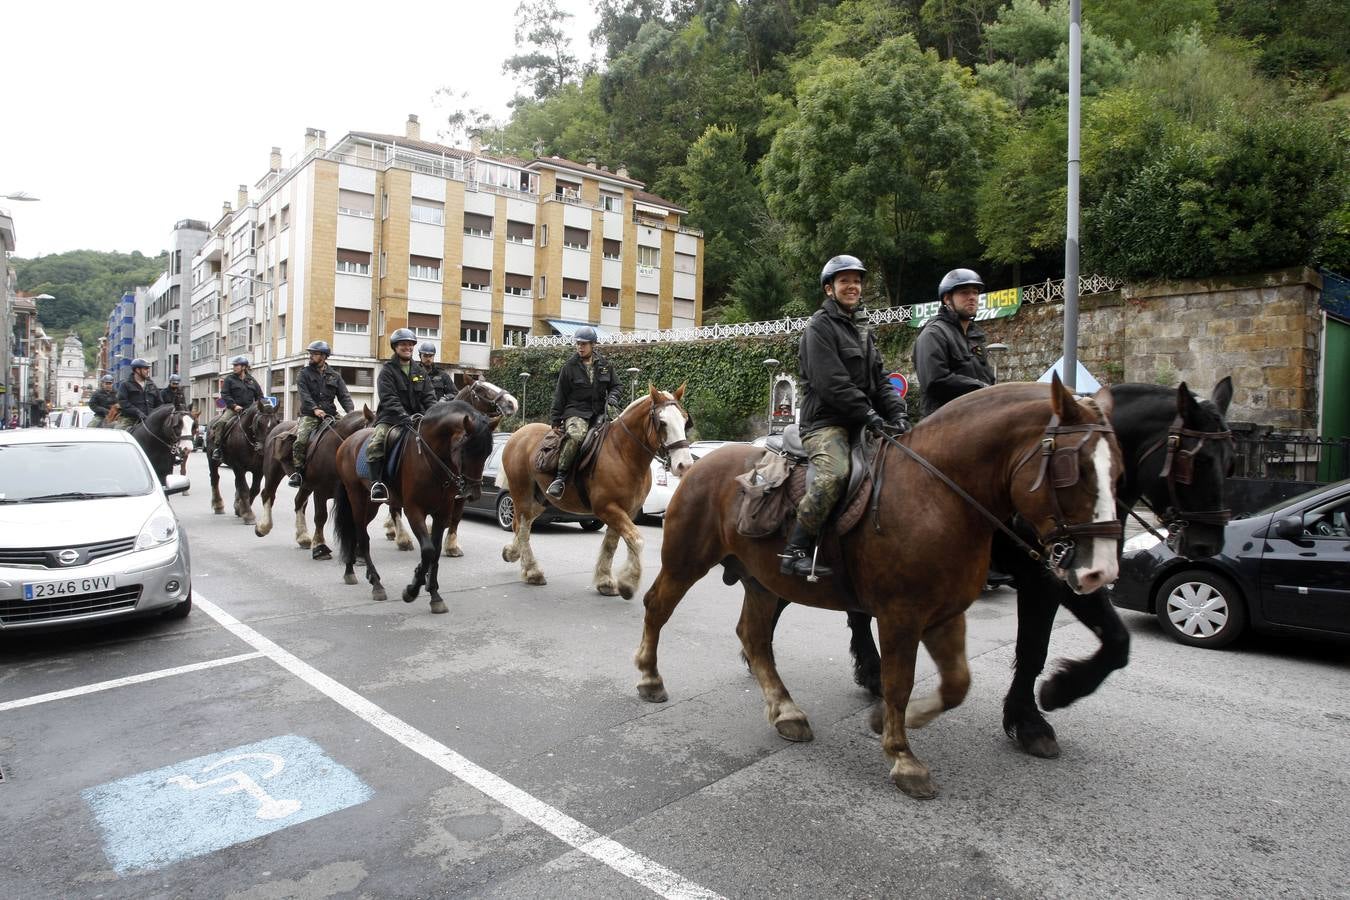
point(1290, 527)
point(176, 484)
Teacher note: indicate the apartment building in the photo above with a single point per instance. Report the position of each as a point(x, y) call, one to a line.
point(470, 251)
point(160, 320)
point(121, 336)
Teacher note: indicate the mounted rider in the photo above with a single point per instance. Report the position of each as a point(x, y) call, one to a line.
point(320, 386)
point(587, 386)
point(240, 390)
point(404, 391)
point(173, 393)
point(101, 401)
point(136, 396)
point(442, 382)
point(949, 355)
point(844, 387)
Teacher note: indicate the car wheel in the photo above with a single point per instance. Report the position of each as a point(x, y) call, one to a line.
point(179, 611)
point(592, 525)
point(506, 510)
point(1202, 609)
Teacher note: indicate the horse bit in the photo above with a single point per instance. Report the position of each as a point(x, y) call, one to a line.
point(1179, 468)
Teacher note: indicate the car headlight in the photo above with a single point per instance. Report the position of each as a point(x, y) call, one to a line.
point(159, 529)
point(1142, 541)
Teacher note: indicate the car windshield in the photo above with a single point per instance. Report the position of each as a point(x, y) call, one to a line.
point(44, 473)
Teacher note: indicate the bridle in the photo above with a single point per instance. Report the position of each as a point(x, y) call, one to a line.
point(461, 481)
point(172, 446)
point(1179, 468)
point(481, 388)
point(251, 432)
point(662, 451)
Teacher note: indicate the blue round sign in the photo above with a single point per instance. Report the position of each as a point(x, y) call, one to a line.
point(899, 382)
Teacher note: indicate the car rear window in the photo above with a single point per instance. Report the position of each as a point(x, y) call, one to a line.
point(34, 472)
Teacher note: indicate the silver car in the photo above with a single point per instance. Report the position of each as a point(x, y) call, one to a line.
point(86, 531)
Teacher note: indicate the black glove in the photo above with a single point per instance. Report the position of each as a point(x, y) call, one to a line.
point(900, 426)
point(875, 422)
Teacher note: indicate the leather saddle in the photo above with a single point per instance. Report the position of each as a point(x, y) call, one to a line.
point(789, 445)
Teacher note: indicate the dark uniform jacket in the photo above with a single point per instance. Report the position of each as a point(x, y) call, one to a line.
point(842, 374)
point(318, 390)
point(577, 395)
point(950, 363)
point(171, 395)
point(442, 383)
point(102, 400)
point(137, 400)
point(240, 391)
point(402, 395)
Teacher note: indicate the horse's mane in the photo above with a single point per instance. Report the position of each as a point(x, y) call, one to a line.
point(479, 443)
point(1166, 396)
point(977, 403)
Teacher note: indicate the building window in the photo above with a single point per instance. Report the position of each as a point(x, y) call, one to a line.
point(611, 202)
point(576, 238)
point(514, 336)
point(575, 289)
point(353, 262)
point(686, 262)
point(649, 257)
point(428, 212)
point(238, 336)
point(281, 327)
point(519, 232)
point(518, 285)
point(384, 264)
point(612, 249)
point(384, 206)
point(282, 269)
point(543, 235)
point(567, 191)
point(425, 325)
point(424, 268)
point(477, 225)
point(609, 297)
point(354, 203)
point(473, 332)
point(351, 321)
point(285, 217)
point(475, 279)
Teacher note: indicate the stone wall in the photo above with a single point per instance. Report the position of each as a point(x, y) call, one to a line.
point(1264, 330)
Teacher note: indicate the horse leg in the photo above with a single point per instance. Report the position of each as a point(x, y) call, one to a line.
point(319, 549)
point(603, 579)
point(433, 576)
point(302, 535)
point(452, 547)
point(866, 660)
point(899, 647)
point(402, 539)
point(243, 498)
point(946, 643)
point(631, 574)
point(429, 552)
point(217, 504)
point(759, 611)
point(1037, 602)
point(377, 591)
point(660, 601)
point(519, 548)
point(1077, 678)
point(389, 527)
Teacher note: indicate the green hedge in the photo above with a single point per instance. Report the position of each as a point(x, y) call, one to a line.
point(727, 391)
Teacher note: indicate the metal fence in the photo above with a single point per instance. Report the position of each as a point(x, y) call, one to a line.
point(1272, 467)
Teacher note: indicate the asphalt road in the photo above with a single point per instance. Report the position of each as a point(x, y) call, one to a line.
point(300, 740)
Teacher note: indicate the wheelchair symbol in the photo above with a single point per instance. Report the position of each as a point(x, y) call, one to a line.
point(238, 781)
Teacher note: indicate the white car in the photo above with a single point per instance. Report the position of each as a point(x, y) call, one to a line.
point(86, 531)
point(664, 481)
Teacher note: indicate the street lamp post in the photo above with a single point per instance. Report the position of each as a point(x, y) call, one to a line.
point(771, 366)
point(524, 384)
point(991, 350)
point(633, 373)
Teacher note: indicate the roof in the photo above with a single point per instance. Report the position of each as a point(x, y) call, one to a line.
point(582, 169)
point(424, 146)
point(568, 327)
point(65, 436)
point(644, 197)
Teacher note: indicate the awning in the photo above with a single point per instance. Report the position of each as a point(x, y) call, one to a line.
point(567, 328)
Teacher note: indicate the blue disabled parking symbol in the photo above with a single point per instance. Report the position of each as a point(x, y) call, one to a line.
point(192, 808)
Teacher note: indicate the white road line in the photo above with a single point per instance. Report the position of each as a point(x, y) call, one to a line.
point(123, 682)
point(621, 859)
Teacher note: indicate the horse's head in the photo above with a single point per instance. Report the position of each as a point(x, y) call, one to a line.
point(461, 439)
point(670, 424)
point(489, 399)
point(1195, 458)
point(1064, 487)
point(264, 417)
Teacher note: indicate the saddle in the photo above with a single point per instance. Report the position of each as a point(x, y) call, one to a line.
point(778, 480)
point(546, 454)
point(393, 454)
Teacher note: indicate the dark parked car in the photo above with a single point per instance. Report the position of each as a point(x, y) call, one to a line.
point(1284, 569)
point(496, 503)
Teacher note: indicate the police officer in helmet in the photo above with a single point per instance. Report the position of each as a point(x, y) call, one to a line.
point(949, 355)
point(321, 389)
point(404, 390)
point(173, 393)
point(442, 382)
point(136, 396)
point(101, 401)
point(587, 385)
point(844, 388)
point(239, 390)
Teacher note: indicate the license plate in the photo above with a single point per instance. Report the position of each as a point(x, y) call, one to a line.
point(70, 587)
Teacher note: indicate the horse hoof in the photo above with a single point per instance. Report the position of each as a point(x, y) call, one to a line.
point(1042, 746)
point(609, 589)
point(349, 578)
point(510, 554)
point(259, 532)
point(652, 692)
point(916, 785)
point(1052, 697)
point(321, 552)
point(876, 719)
point(378, 595)
point(456, 552)
point(438, 606)
point(405, 545)
point(626, 591)
point(409, 595)
point(219, 512)
point(798, 730)
point(536, 578)
point(304, 543)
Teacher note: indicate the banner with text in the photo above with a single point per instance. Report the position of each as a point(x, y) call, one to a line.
point(993, 305)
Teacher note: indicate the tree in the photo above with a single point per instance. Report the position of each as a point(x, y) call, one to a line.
point(882, 161)
point(548, 62)
point(724, 201)
point(1148, 25)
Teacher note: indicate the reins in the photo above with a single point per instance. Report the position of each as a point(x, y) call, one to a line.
point(663, 451)
point(1179, 468)
point(457, 479)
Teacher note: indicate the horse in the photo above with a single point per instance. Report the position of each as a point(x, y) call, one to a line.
point(158, 435)
point(320, 475)
point(440, 468)
point(488, 399)
point(185, 442)
point(1176, 451)
point(242, 452)
point(653, 425)
point(1030, 449)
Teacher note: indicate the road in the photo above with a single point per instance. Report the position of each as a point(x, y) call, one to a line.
point(292, 738)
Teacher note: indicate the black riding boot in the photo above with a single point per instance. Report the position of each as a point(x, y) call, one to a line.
point(378, 492)
point(555, 490)
point(797, 555)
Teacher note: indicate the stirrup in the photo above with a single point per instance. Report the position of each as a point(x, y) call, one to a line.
point(297, 479)
point(798, 561)
point(378, 492)
point(556, 489)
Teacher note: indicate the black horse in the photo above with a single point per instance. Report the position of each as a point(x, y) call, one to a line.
point(1176, 450)
point(158, 435)
point(242, 450)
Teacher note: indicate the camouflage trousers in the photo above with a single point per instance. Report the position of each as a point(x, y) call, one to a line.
point(125, 423)
point(303, 432)
point(97, 422)
point(574, 433)
point(375, 450)
point(218, 426)
point(828, 449)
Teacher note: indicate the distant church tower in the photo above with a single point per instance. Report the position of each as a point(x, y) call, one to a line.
point(70, 374)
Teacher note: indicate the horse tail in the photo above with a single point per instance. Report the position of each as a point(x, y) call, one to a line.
point(344, 525)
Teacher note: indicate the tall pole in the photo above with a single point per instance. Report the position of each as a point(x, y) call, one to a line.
point(1071, 230)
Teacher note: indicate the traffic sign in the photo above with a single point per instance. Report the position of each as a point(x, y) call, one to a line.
point(899, 382)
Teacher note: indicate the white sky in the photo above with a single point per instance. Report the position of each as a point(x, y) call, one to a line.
point(124, 117)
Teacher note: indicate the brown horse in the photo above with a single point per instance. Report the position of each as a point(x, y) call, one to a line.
point(653, 425)
point(321, 479)
point(923, 562)
point(242, 452)
point(441, 465)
